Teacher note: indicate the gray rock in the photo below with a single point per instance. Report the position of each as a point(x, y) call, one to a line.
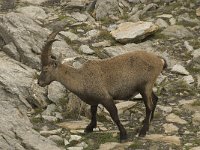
point(51, 132)
point(56, 138)
point(86, 49)
point(35, 2)
point(195, 148)
point(161, 23)
point(56, 92)
point(163, 138)
point(49, 110)
point(28, 38)
point(177, 31)
point(172, 21)
point(198, 11)
point(49, 118)
point(129, 31)
point(176, 119)
point(114, 145)
point(75, 148)
point(106, 8)
point(70, 35)
point(16, 129)
point(196, 56)
point(11, 50)
point(74, 138)
point(196, 118)
point(170, 128)
point(8, 4)
point(79, 17)
point(188, 46)
point(188, 79)
point(34, 12)
point(179, 69)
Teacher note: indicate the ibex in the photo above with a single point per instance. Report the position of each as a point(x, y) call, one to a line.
point(103, 81)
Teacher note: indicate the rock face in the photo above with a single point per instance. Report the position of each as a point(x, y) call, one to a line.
point(15, 83)
point(130, 31)
point(27, 40)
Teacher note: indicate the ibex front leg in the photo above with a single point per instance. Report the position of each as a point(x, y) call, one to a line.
point(111, 108)
point(93, 122)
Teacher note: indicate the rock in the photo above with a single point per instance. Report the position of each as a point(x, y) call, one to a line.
point(172, 21)
point(86, 50)
point(166, 109)
point(129, 31)
point(179, 69)
point(51, 132)
point(198, 81)
point(70, 35)
point(104, 43)
point(79, 17)
point(8, 4)
point(114, 145)
point(196, 118)
point(176, 119)
point(117, 50)
point(75, 148)
point(170, 128)
point(74, 138)
point(28, 38)
point(198, 12)
point(56, 92)
point(74, 125)
point(11, 50)
point(161, 23)
point(56, 138)
point(34, 12)
point(188, 46)
point(177, 31)
point(165, 16)
point(35, 2)
point(82, 144)
point(195, 148)
point(78, 4)
point(188, 79)
point(162, 138)
point(49, 110)
point(196, 56)
point(134, 1)
point(15, 82)
point(106, 8)
point(50, 118)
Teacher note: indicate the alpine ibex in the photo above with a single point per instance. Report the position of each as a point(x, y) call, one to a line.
point(103, 81)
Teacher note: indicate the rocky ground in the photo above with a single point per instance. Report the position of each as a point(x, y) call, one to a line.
point(36, 118)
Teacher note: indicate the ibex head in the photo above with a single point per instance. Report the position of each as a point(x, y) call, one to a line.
point(49, 63)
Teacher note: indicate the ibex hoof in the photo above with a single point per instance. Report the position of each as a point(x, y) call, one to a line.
point(123, 139)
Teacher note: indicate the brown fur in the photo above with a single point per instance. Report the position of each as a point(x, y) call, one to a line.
point(103, 81)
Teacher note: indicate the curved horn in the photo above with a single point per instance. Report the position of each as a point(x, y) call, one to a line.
point(46, 50)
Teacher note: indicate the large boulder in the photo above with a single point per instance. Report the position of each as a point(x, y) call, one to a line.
point(16, 81)
point(24, 39)
point(130, 32)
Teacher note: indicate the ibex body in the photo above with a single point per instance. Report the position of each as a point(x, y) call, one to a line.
point(103, 81)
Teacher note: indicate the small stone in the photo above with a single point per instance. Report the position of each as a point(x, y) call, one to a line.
point(75, 138)
point(102, 44)
point(49, 110)
point(195, 148)
point(74, 125)
point(162, 138)
point(198, 12)
point(170, 128)
point(79, 17)
point(168, 16)
point(114, 145)
point(176, 119)
point(196, 118)
point(188, 46)
point(66, 142)
point(172, 21)
point(82, 144)
point(166, 109)
point(55, 138)
point(70, 35)
point(51, 132)
point(75, 148)
point(49, 118)
point(86, 49)
point(179, 69)
point(188, 79)
point(196, 55)
point(161, 23)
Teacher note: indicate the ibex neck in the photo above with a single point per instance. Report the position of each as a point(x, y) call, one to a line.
point(69, 77)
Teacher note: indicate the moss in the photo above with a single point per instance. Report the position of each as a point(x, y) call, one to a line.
point(94, 140)
point(137, 144)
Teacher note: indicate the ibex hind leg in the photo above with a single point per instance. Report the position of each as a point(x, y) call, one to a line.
point(111, 108)
point(149, 107)
point(93, 122)
point(155, 100)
